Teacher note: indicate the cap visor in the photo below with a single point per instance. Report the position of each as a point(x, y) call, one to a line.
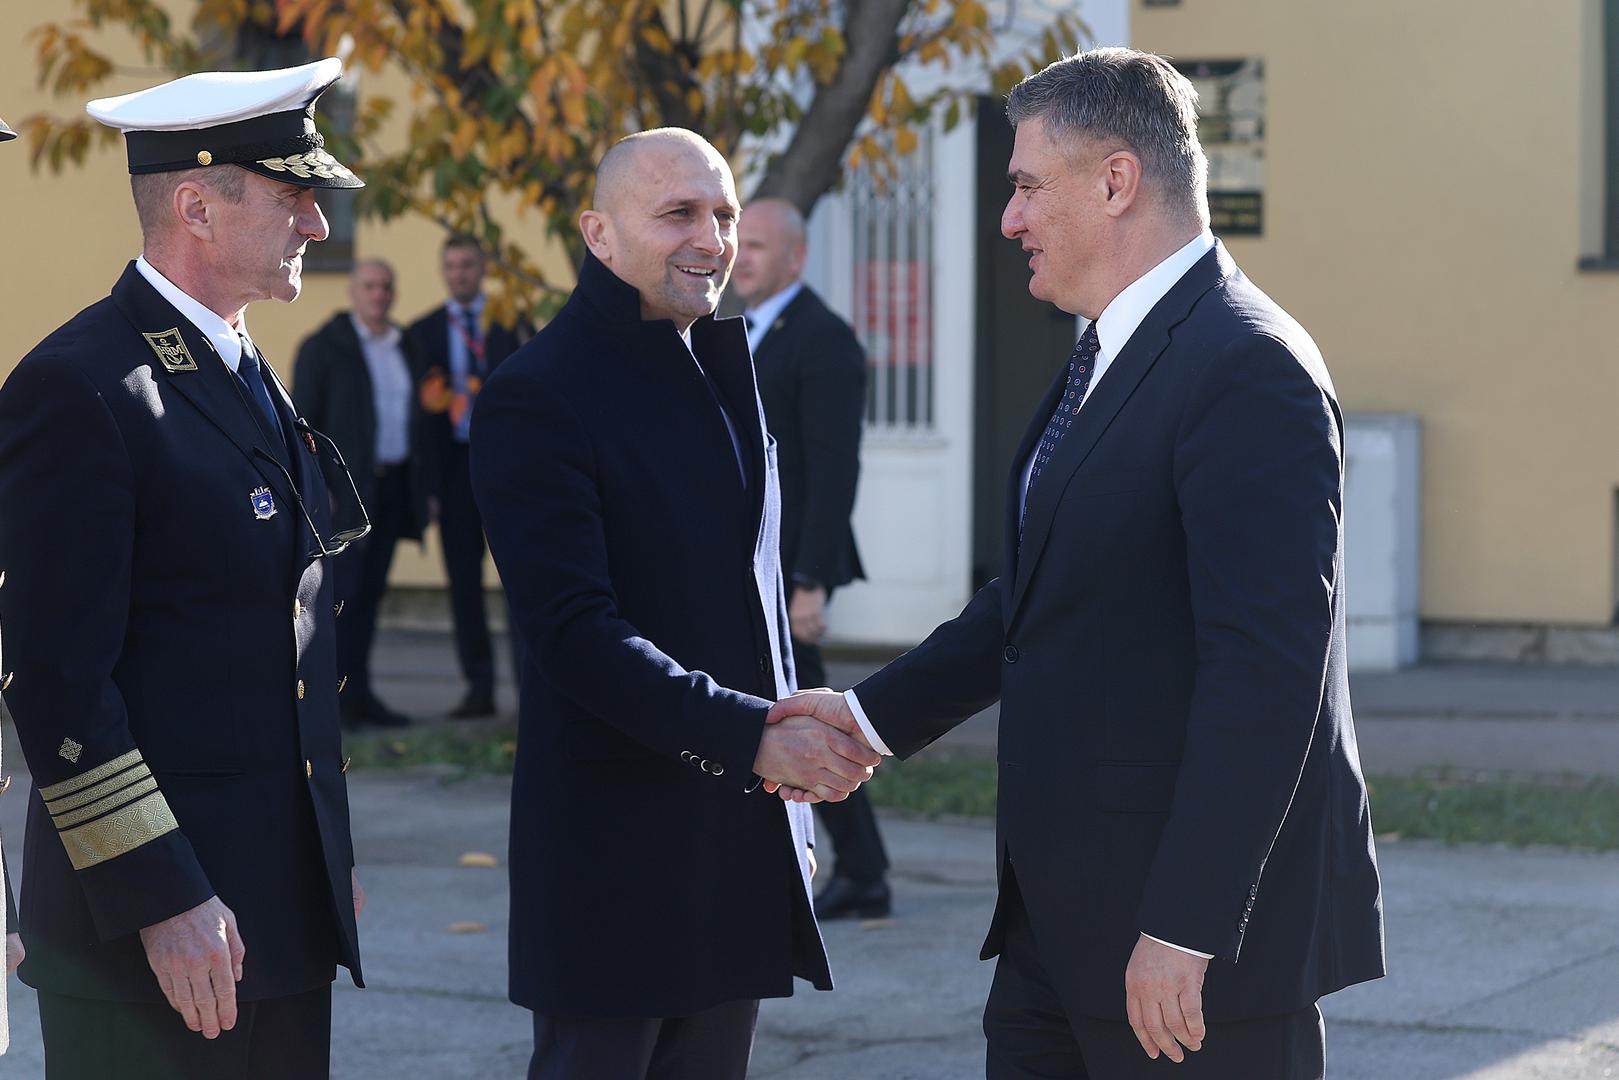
point(300, 171)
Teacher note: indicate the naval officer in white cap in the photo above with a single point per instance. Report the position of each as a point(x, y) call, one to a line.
point(169, 523)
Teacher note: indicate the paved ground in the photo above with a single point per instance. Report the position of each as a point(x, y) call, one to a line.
point(1504, 961)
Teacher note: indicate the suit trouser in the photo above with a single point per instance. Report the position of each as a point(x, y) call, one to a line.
point(461, 532)
point(852, 823)
point(274, 1039)
point(362, 579)
point(1031, 1037)
point(714, 1044)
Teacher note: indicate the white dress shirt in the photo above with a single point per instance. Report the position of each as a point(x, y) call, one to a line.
point(390, 390)
point(762, 316)
point(1114, 328)
point(210, 323)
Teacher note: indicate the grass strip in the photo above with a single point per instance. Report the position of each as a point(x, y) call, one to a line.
point(1453, 806)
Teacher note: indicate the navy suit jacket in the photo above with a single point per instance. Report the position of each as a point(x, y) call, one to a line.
point(649, 875)
point(1177, 755)
point(175, 686)
point(812, 380)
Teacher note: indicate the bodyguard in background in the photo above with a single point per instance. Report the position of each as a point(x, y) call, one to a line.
point(460, 349)
point(355, 379)
point(812, 380)
point(188, 889)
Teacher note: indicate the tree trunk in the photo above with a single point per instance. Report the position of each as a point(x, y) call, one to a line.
point(810, 165)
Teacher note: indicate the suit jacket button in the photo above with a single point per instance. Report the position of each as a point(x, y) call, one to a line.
point(1011, 654)
point(685, 755)
point(300, 689)
point(704, 765)
point(716, 769)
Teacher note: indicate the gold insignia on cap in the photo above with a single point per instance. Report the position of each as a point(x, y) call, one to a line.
point(171, 350)
point(314, 163)
point(70, 750)
point(204, 158)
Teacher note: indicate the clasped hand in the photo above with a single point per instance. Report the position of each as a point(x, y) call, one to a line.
point(813, 749)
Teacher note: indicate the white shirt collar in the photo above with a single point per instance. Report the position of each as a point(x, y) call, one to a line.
point(471, 309)
point(209, 322)
point(763, 315)
point(1120, 319)
point(390, 336)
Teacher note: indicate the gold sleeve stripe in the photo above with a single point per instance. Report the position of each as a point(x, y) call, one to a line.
point(93, 776)
point(118, 833)
point(97, 791)
point(122, 797)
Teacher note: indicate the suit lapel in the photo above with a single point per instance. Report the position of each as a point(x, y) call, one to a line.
point(1102, 406)
point(198, 374)
point(724, 358)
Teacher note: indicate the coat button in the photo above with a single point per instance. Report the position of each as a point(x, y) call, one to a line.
point(309, 767)
point(685, 755)
point(1011, 654)
point(764, 665)
point(300, 689)
point(716, 769)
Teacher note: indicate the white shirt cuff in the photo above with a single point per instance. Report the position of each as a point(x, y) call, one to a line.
point(866, 729)
point(1172, 945)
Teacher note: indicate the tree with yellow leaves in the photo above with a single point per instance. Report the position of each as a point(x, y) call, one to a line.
point(514, 101)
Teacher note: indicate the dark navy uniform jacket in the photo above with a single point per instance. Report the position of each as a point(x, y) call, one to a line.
point(174, 684)
point(649, 874)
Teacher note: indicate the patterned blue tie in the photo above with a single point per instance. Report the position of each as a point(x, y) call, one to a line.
point(252, 377)
point(1081, 366)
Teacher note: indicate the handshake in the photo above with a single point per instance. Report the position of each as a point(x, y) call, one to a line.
point(813, 750)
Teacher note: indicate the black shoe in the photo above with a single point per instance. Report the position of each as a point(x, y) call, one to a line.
point(845, 898)
point(369, 712)
point(473, 706)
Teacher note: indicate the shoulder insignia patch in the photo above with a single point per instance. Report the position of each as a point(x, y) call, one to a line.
point(70, 750)
point(171, 350)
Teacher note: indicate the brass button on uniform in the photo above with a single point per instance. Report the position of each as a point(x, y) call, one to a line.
point(204, 158)
point(300, 689)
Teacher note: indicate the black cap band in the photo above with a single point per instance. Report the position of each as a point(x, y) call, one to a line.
point(276, 135)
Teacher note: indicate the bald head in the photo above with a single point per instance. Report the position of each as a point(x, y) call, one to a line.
point(770, 250)
point(371, 292)
point(664, 220)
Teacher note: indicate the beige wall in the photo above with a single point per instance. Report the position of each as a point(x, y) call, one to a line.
point(1429, 188)
point(69, 236)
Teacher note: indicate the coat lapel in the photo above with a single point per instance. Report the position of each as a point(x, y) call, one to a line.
point(1102, 406)
point(722, 346)
point(186, 359)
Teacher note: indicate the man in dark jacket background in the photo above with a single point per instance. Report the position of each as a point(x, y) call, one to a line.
point(812, 381)
point(355, 379)
point(460, 348)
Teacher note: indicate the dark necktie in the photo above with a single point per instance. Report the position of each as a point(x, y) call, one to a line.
point(251, 375)
point(1081, 366)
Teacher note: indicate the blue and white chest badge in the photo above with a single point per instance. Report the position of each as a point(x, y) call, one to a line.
point(263, 503)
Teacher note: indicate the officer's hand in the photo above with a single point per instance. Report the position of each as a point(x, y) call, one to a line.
point(15, 953)
point(197, 958)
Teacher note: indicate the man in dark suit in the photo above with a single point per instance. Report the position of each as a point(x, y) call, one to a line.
point(631, 498)
point(1185, 853)
point(188, 888)
point(355, 379)
point(812, 381)
point(461, 348)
